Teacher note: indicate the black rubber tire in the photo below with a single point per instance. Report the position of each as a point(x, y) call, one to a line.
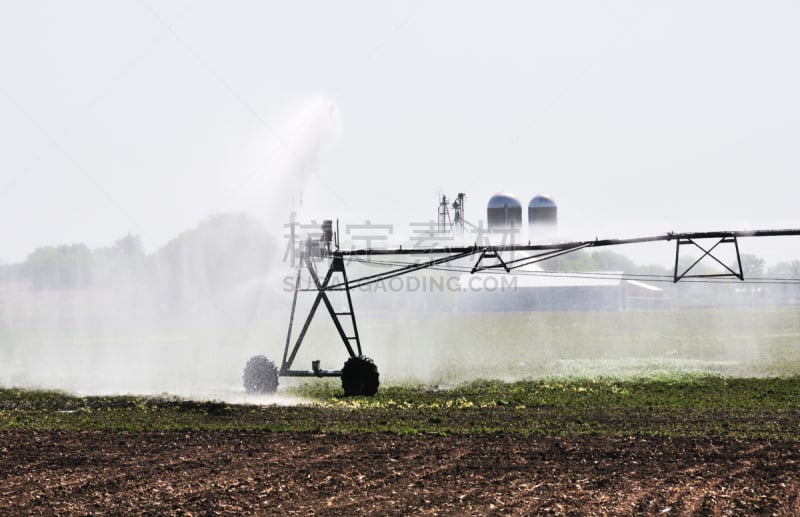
point(260, 375)
point(360, 377)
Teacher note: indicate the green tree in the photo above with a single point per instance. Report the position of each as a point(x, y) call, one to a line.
point(752, 266)
point(123, 262)
point(603, 260)
point(221, 253)
point(59, 267)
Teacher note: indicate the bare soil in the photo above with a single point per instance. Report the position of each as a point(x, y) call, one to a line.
point(199, 473)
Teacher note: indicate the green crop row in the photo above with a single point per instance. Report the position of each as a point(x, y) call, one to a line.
point(674, 406)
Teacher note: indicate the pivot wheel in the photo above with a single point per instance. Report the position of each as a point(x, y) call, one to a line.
point(260, 375)
point(360, 377)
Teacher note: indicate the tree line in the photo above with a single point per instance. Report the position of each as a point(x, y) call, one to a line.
point(221, 251)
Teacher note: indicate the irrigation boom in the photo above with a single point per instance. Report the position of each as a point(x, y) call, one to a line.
point(359, 374)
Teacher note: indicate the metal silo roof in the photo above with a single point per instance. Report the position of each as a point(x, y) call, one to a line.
point(502, 199)
point(542, 201)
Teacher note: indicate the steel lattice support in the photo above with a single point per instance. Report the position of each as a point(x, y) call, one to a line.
point(321, 288)
point(688, 241)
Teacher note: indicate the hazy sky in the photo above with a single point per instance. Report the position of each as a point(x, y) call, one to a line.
point(637, 117)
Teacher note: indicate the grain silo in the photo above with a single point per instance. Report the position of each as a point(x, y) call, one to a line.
point(503, 212)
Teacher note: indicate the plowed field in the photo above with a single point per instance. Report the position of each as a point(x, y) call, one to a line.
point(241, 472)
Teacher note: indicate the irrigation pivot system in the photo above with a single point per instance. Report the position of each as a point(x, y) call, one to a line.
point(325, 264)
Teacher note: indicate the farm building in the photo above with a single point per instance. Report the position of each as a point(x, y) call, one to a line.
point(530, 290)
point(544, 291)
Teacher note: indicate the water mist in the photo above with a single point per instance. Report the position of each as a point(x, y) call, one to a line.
point(182, 320)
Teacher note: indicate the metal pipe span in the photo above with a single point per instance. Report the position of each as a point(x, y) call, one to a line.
point(569, 245)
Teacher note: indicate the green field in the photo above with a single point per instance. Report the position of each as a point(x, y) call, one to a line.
point(202, 358)
point(452, 348)
point(686, 405)
point(733, 373)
